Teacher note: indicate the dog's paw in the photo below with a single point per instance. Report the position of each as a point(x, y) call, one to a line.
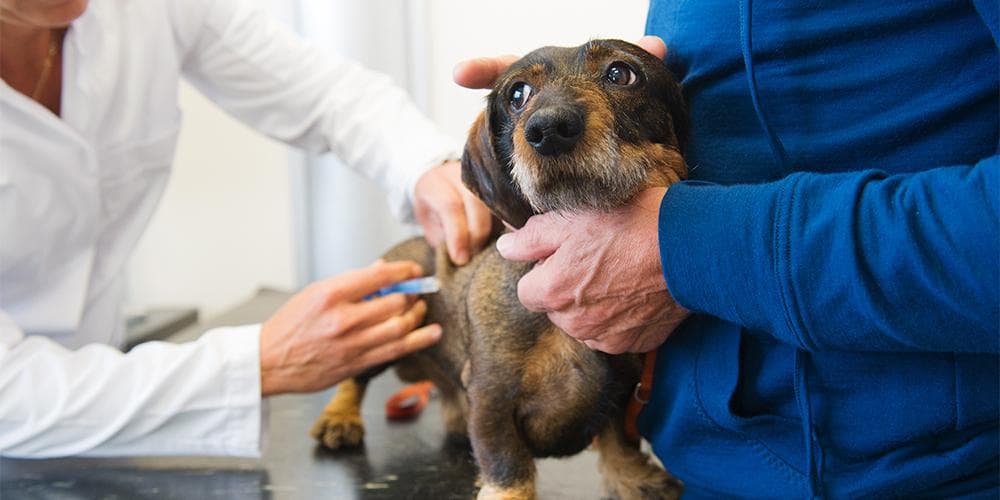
point(519, 492)
point(667, 488)
point(338, 430)
point(655, 484)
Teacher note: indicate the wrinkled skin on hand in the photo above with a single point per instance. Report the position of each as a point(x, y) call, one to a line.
point(599, 276)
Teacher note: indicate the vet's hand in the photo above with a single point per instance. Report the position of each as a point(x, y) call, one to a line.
point(480, 73)
point(450, 213)
point(599, 278)
point(327, 333)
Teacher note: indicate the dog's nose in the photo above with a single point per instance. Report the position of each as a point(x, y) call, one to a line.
point(553, 131)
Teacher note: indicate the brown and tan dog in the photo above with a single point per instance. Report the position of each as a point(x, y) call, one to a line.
point(564, 129)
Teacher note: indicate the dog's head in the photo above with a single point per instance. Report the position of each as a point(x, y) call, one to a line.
point(576, 127)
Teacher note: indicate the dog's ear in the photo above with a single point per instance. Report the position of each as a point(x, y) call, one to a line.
point(490, 178)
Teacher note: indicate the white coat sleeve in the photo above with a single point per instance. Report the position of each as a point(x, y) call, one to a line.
point(199, 398)
point(269, 78)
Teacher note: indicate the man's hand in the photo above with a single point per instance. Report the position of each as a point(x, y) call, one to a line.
point(327, 332)
point(480, 73)
point(450, 213)
point(599, 277)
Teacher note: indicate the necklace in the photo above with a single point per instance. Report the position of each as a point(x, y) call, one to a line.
point(46, 66)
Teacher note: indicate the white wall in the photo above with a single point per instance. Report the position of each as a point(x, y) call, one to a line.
point(228, 222)
point(474, 28)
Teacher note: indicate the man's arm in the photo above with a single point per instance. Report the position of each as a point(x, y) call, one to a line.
point(854, 261)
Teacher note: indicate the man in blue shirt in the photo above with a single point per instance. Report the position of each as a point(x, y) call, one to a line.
point(832, 261)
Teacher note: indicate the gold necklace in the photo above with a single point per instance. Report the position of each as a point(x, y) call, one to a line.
point(46, 66)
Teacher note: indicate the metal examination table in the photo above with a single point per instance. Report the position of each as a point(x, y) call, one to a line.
point(398, 460)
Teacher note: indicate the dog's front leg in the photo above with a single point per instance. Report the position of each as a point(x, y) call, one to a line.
point(340, 424)
point(506, 465)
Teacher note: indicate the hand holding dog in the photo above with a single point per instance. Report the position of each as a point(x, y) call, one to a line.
point(327, 333)
point(450, 214)
point(599, 277)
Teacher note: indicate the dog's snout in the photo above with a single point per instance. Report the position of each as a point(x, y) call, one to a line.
point(553, 131)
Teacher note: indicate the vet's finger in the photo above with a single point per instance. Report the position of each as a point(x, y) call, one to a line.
point(393, 328)
point(480, 220)
point(482, 72)
point(354, 285)
point(364, 314)
point(434, 234)
point(654, 45)
point(414, 341)
point(451, 212)
point(539, 238)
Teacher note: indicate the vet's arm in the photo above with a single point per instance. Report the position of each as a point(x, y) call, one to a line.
point(265, 75)
point(97, 401)
point(272, 80)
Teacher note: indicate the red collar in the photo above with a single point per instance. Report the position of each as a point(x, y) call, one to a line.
point(640, 397)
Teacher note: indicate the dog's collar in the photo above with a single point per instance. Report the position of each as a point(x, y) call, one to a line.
point(640, 396)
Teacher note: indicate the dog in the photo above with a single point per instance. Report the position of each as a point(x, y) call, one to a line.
point(565, 128)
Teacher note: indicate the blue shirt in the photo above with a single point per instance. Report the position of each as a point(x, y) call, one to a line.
point(838, 242)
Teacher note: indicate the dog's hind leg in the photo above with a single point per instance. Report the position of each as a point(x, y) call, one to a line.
point(506, 465)
point(454, 410)
point(629, 473)
point(340, 424)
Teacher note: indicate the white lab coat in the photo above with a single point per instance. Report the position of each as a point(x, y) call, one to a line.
point(77, 192)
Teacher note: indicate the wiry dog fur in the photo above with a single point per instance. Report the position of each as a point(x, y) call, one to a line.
point(597, 124)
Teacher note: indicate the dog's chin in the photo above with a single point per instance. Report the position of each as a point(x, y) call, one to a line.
point(590, 196)
point(600, 181)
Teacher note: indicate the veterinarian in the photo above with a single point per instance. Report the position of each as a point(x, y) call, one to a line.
point(89, 125)
point(836, 246)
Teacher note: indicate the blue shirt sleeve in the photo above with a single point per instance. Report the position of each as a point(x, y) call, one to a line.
point(849, 261)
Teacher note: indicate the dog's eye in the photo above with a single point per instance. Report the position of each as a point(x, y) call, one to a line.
point(519, 95)
point(620, 73)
